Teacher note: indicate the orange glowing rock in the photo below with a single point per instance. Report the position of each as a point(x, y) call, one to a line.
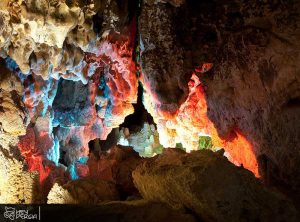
point(239, 151)
point(187, 123)
point(191, 120)
point(204, 68)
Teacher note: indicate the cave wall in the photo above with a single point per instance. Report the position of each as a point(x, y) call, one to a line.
point(228, 69)
point(72, 65)
point(252, 88)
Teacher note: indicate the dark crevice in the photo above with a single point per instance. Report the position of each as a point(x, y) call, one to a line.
point(65, 92)
point(17, 99)
point(97, 22)
point(135, 121)
point(193, 213)
point(293, 103)
point(98, 146)
point(62, 158)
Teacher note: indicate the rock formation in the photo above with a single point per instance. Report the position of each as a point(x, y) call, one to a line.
point(248, 98)
point(16, 184)
point(116, 166)
point(208, 185)
point(84, 191)
point(79, 78)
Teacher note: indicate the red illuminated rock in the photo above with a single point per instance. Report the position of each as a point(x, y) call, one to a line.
point(191, 120)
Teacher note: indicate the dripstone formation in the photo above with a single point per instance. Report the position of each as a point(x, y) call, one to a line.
point(96, 94)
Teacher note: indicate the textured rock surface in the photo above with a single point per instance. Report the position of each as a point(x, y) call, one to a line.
point(16, 184)
point(145, 141)
point(257, 89)
point(83, 191)
point(13, 117)
point(229, 70)
point(209, 185)
point(116, 166)
point(74, 60)
point(167, 83)
point(252, 89)
point(60, 195)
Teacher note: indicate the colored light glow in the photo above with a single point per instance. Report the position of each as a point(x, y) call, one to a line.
point(112, 90)
point(73, 172)
point(33, 154)
point(53, 153)
point(191, 120)
point(239, 150)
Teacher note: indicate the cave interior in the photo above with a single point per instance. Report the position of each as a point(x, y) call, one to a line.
point(150, 110)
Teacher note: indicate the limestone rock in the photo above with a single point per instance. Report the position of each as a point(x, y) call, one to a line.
point(59, 195)
point(116, 165)
point(208, 185)
point(145, 141)
point(167, 83)
point(13, 117)
point(17, 186)
point(50, 38)
point(5, 29)
point(252, 88)
point(83, 191)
